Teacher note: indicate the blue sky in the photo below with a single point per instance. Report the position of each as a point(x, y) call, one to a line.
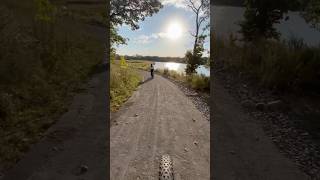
point(154, 37)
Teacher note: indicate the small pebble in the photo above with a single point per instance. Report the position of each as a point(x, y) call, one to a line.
point(55, 149)
point(83, 169)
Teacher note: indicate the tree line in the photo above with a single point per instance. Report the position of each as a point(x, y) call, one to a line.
point(203, 61)
point(153, 58)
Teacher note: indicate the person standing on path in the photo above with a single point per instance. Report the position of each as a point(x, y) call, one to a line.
point(151, 70)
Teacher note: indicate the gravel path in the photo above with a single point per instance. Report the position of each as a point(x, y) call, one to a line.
point(199, 99)
point(159, 119)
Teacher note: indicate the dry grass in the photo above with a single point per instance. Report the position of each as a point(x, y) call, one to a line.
point(290, 65)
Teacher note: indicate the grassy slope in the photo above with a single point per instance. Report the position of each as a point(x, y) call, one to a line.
point(37, 79)
point(122, 84)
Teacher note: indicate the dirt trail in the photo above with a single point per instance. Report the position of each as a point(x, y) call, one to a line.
point(159, 119)
point(241, 150)
point(79, 138)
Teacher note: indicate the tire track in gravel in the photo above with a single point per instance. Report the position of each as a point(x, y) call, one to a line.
point(187, 159)
point(145, 143)
point(129, 155)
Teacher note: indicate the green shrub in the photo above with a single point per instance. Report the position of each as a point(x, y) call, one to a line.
point(123, 62)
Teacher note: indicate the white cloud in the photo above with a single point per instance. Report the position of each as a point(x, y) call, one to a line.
point(146, 39)
point(177, 3)
point(162, 35)
point(142, 39)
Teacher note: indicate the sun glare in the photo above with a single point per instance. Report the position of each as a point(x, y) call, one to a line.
point(174, 31)
point(172, 66)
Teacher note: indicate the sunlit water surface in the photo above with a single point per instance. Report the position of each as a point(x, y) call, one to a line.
point(180, 67)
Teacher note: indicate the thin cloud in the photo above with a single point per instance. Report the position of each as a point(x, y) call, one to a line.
point(142, 39)
point(146, 39)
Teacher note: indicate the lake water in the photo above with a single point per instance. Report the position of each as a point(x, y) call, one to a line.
point(225, 20)
point(180, 67)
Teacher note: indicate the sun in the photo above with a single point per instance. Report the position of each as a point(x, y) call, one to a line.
point(174, 30)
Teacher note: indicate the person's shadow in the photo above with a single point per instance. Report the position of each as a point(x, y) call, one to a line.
point(145, 81)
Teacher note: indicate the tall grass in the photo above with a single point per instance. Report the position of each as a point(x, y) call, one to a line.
point(199, 82)
point(195, 81)
point(40, 67)
point(123, 81)
point(286, 65)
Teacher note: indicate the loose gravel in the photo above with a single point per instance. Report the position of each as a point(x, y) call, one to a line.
point(199, 99)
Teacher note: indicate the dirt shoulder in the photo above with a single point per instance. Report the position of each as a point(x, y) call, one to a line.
point(241, 149)
point(199, 98)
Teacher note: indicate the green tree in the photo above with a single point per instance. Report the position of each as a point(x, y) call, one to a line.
point(194, 58)
point(129, 12)
point(123, 62)
point(260, 17)
point(116, 39)
point(45, 11)
point(201, 9)
point(45, 20)
point(311, 13)
point(112, 56)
